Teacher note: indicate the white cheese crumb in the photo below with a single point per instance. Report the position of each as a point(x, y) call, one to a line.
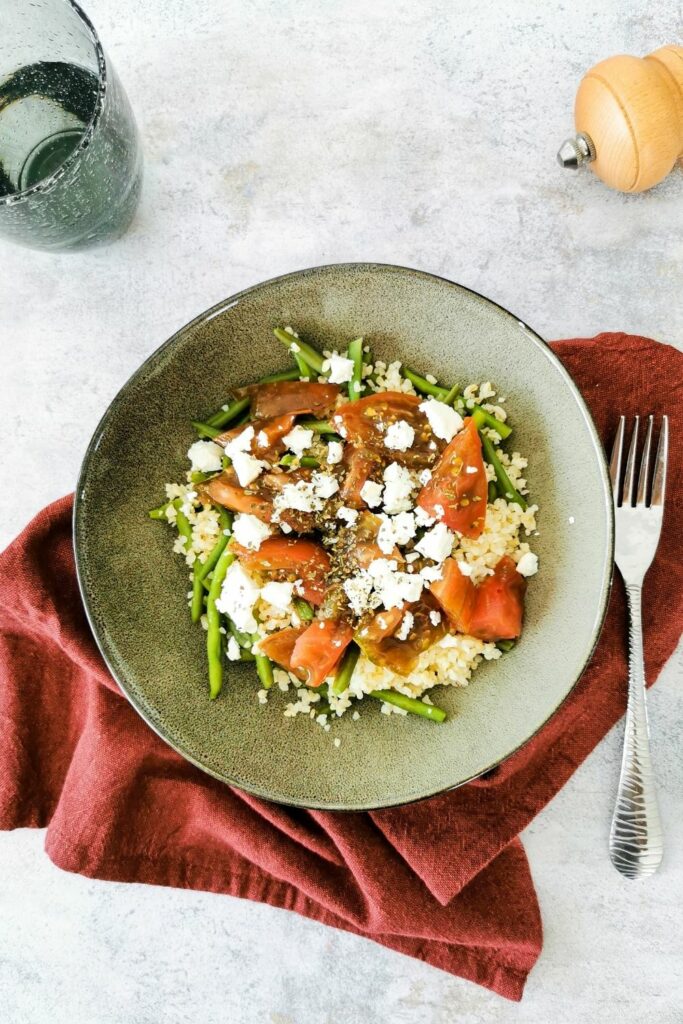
point(434, 617)
point(205, 456)
point(335, 452)
point(437, 543)
point(407, 622)
point(241, 443)
point(347, 515)
point(423, 518)
point(412, 556)
point(339, 369)
point(395, 531)
point(262, 439)
point(249, 531)
point(278, 594)
point(371, 493)
point(464, 567)
point(324, 485)
point(238, 597)
point(400, 436)
point(431, 573)
point(398, 486)
point(528, 564)
point(298, 440)
point(233, 650)
point(425, 476)
point(247, 467)
point(443, 419)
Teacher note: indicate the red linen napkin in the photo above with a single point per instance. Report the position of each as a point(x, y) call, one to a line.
point(119, 804)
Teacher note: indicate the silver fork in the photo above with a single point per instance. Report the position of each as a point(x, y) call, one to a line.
point(636, 841)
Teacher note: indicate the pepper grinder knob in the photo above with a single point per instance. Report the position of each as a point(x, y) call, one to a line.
point(629, 120)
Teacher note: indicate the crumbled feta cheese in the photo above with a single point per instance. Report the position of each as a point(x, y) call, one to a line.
point(431, 573)
point(247, 467)
point(371, 493)
point(412, 556)
point(443, 419)
point(238, 597)
point(324, 485)
point(347, 515)
point(397, 530)
point(434, 617)
point(278, 594)
point(394, 589)
point(358, 589)
point(437, 543)
point(298, 440)
point(339, 369)
point(285, 527)
point(249, 531)
point(398, 486)
point(528, 564)
point(425, 476)
point(241, 443)
point(400, 436)
point(439, 511)
point(205, 456)
point(403, 632)
point(423, 518)
point(233, 649)
point(464, 567)
point(262, 439)
point(335, 452)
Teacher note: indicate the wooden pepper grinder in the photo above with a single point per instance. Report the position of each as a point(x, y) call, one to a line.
point(629, 120)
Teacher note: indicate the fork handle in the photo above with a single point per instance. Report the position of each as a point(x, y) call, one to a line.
point(636, 841)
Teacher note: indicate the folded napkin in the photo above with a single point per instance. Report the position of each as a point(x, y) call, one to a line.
point(119, 804)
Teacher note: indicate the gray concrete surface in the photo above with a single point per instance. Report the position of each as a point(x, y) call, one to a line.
point(280, 135)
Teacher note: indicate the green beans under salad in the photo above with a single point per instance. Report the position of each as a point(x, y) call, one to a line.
point(342, 520)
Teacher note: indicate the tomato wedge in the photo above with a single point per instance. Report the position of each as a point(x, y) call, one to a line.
point(364, 425)
point(359, 465)
point(290, 558)
point(274, 429)
point(458, 485)
point(291, 396)
point(225, 490)
point(279, 647)
point(320, 648)
point(456, 594)
point(499, 604)
point(376, 636)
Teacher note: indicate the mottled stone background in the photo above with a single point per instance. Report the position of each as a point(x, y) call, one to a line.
point(280, 135)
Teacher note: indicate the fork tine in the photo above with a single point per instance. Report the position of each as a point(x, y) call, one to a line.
point(659, 482)
point(644, 475)
point(616, 460)
point(630, 474)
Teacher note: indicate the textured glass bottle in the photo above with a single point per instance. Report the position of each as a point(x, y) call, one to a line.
point(70, 157)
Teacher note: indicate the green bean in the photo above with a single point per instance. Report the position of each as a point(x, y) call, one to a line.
point(302, 348)
point(182, 524)
point(202, 569)
point(246, 655)
point(424, 385)
point(409, 704)
point(505, 645)
point(214, 638)
point(307, 461)
point(245, 640)
point(264, 667)
point(486, 419)
point(452, 395)
point(199, 478)
point(222, 417)
point(304, 371)
point(206, 429)
point(505, 487)
point(355, 353)
point(160, 512)
point(226, 461)
point(303, 609)
point(493, 490)
point(321, 708)
point(275, 378)
point(345, 670)
point(320, 427)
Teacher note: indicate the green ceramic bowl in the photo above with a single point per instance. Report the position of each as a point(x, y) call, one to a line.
point(134, 588)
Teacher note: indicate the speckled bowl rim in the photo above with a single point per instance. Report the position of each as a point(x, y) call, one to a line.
point(216, 310)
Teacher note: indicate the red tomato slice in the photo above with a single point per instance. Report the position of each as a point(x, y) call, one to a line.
point(279, 647)
point(458, 485)
point(291, 396)
point(225, 490)
point(320, 648)
point(376, 637)
point(274, 428)
point(359, 466)
point(499, 604)
point(456, 594)
point(364, 424)
point(290, 558)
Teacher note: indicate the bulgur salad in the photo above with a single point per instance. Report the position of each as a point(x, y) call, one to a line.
point(355, 530)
